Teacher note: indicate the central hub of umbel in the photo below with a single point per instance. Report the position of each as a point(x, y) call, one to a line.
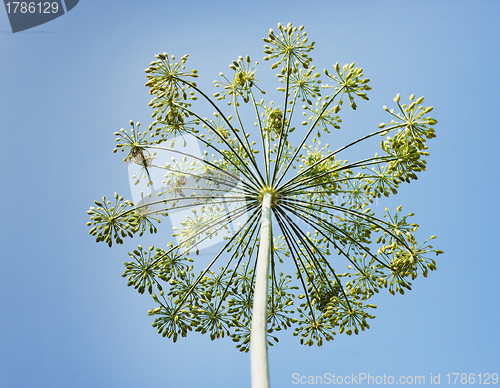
point(269, 190)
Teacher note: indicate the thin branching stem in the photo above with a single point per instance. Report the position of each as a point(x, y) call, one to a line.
point(301, 235)
point(276, 184)
point(236, 251)
point(228, 243)
point(294, 251)
point(235, 132)
point(252, 175)
point(331, 155)
point(234, 213)
point(320, 229)
point(283, 135)
point(202, 160)
point(245, 136)
point(261, 131)
point(373, 220)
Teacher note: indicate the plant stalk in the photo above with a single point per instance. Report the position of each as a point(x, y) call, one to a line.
point(258, 349)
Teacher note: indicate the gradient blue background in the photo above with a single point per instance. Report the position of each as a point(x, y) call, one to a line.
point(67, 318)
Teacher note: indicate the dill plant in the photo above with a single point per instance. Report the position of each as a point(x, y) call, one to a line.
point(288, 191)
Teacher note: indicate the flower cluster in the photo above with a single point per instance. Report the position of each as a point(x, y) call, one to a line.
point(304, 83)
point(241, 84)
point(290, 46)
point(111, 221)
point(319, 203)
point(324, 118)
point(414, 127)
point(349, 80)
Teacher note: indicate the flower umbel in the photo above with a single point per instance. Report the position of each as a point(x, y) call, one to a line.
point(275, 202)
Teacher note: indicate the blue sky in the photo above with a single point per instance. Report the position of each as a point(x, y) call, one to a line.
point(67, 317)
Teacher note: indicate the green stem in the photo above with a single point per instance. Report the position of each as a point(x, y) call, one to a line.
point(258, 351)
